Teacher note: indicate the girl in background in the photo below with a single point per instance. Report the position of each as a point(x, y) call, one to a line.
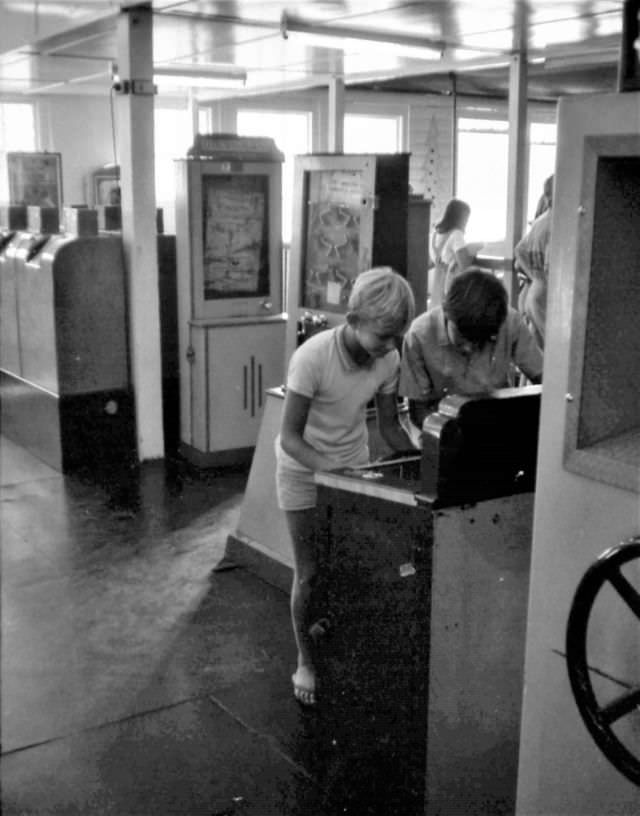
point(451, 253)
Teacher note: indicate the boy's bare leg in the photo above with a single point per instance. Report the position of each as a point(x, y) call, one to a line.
point(303, 526)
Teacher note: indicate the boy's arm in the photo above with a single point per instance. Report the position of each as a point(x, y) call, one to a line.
point(389, 425)
point(419, 410)
point(294, 420)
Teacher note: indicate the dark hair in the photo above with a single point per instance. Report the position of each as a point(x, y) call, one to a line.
point(454, 214)
point(477, 303)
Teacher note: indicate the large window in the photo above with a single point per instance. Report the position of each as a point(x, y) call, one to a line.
point(364, 133)
point(17, 132)
point(291, 131)
point(173, 137)
point(542, 159)
point(483, 156)
point(483, 148)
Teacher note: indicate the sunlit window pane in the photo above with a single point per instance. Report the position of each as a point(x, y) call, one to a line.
point(291, 131)
point(542, 159)
point(173, 137)
point(482, 183)
point(17, 132)
point(372, 134)
point(483, 146)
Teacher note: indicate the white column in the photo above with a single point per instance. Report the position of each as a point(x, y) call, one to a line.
point(134, 111)
point(518, 142)
point(335, 138)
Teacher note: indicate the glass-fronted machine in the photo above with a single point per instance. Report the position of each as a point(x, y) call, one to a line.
point(231, 322)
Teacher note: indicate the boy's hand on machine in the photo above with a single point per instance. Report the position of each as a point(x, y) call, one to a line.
point(400, 454)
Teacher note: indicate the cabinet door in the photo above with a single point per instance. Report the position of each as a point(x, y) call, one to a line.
point(243, 361)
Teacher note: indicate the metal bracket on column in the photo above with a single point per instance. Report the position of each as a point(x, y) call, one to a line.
point(136, 87)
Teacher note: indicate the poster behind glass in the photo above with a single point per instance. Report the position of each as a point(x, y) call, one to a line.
point(332, 238)
point(235, 236)
point(35, 179)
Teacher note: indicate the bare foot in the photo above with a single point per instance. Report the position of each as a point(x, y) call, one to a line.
point(304, 685)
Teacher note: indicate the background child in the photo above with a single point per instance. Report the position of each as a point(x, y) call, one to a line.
point(451, 252)
point(331, 378)
point(467, 346)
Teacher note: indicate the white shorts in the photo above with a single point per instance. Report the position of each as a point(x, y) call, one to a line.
point(295, 488)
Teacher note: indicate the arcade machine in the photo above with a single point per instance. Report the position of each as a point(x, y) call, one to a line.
point(13, 220)
point(426, 581)
point(351, 214)
point(71, 403)
point(588, 493)
point(41, 223)
point(231, 323)
point(13, 217)
point(110, 222)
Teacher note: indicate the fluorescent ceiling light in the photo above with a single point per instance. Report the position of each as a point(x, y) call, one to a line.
point(199, 75)
point(584, 60)
point(355, 39)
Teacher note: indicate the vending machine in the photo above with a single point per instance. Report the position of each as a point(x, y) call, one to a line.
point(13, 221)
point(231, 321)
point(70, 403)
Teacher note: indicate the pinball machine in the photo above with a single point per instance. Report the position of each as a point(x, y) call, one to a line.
point(426, 586)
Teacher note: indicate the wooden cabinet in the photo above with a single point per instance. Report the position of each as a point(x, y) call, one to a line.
point(230, 366)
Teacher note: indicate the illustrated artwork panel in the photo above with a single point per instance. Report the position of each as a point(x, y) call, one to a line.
point(332, 238)
point(235, 236)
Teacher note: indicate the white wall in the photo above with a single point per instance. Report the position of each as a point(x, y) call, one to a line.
point(78, 127)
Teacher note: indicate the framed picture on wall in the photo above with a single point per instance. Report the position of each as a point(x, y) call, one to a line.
point(35, 179)
point(106, 186)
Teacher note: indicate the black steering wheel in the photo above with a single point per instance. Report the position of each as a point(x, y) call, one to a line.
point(600, 719)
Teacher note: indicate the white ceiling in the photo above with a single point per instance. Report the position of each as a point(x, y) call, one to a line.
point(54, 47)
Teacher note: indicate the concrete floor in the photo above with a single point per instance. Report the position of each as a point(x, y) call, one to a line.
point(139, 681)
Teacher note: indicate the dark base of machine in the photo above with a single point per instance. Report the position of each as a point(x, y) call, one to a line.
point(221, 458)
point(171, 415)
point(69, 432)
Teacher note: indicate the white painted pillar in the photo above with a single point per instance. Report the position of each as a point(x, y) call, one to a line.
point(518, 143)
point(134, 116)
point(335, 138)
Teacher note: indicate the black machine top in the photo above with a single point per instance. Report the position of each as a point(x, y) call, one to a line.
point(482, 447)
point(473, 449)
point(230, 147)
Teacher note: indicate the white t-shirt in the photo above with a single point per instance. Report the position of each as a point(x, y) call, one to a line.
point(339, 389)
point(446, 244)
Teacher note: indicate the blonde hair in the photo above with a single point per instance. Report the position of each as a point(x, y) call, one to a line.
point(382, 295)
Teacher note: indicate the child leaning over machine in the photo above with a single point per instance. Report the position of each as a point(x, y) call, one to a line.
point(331, 378)
point(469, 345)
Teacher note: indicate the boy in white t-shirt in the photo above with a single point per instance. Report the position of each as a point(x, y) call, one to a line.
point(331, 379)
